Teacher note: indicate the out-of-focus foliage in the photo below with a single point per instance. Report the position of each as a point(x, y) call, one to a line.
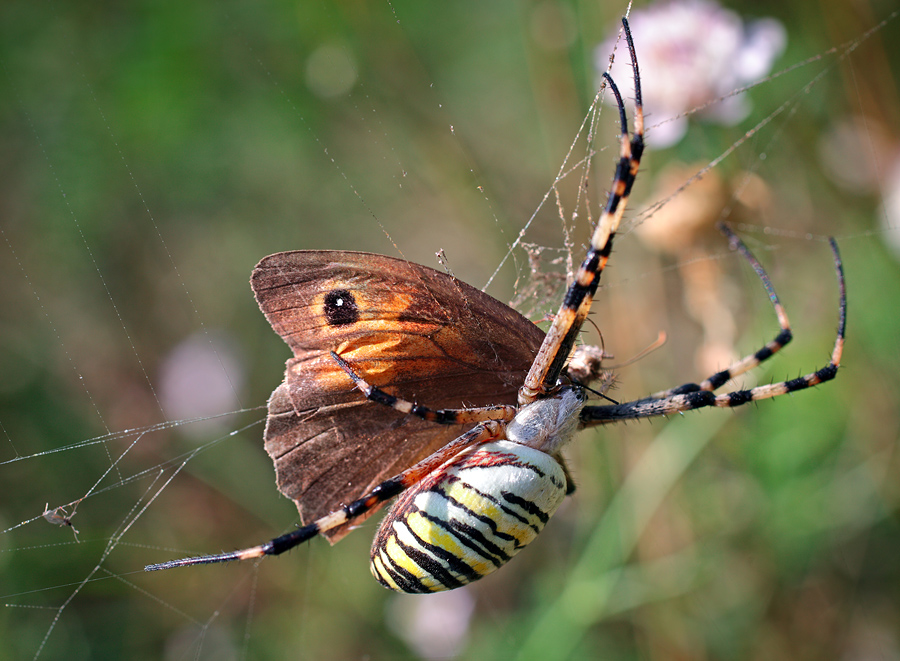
point(154, 152)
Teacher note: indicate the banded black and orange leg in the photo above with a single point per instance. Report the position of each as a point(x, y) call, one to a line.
point(700, 398)
point(746, 363)
point(481, 433)
point(439, 416)
point(557, 346)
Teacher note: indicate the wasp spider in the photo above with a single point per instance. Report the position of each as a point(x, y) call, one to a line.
point(465, 508)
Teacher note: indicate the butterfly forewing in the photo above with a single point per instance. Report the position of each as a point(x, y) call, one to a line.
point(415, 332)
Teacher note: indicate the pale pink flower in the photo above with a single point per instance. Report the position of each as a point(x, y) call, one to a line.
point(201, 376)
point(435, 626)
point(693, 53)
point(890, 211)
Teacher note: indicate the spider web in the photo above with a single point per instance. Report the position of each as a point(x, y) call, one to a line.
point(136, 366)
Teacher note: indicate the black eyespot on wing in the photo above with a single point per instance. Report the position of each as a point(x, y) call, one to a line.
point(340, 308)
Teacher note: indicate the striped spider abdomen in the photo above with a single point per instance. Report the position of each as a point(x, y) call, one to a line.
point(467, 518)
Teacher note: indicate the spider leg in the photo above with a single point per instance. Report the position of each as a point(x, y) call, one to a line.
point(481, 433)
point(560, 339)
point(439, 416)
point(699, 398)
point(746, 363)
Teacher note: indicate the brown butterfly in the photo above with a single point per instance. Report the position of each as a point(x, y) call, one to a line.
point(413, 331)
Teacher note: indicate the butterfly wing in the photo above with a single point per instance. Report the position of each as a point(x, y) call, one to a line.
point(415, 332)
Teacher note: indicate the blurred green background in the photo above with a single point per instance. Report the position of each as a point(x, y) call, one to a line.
point(154, 152)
